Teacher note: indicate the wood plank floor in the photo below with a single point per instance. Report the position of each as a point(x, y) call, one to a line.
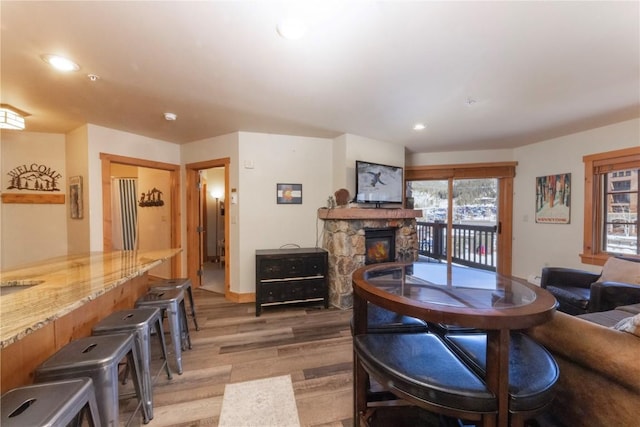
point(310, 343)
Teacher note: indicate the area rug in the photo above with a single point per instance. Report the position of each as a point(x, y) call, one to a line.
point(268, 402)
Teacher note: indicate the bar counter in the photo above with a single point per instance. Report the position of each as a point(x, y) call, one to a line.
point(47, 304)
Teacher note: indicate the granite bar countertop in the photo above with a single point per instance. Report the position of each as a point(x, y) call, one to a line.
point(37, 294)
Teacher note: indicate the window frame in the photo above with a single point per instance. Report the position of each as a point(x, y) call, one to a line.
point(596, 165)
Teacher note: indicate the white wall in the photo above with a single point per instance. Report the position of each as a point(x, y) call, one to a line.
point(32, 232)
point(537, 245)
point(265, 224)
point(457, 157)
point(111, 141)
point(370, 150)
point(78, 233)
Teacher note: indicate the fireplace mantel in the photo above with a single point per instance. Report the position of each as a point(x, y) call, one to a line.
point(367, 213)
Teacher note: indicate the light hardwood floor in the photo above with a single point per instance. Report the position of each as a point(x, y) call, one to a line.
point(310, 343)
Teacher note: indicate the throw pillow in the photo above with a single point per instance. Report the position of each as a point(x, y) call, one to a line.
point(620, 270)
point(629, 324)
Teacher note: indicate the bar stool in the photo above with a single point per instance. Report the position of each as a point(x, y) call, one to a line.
point(54, 403)
point(98, 357)
point(533, 372)
point(421, 370)
point(383, 321)
point(139, 321)
point(183, 284)
point(171, 303)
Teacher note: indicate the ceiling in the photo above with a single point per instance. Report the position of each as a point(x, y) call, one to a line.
point(479, 75)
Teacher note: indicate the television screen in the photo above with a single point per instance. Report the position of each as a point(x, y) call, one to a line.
point(378, 184)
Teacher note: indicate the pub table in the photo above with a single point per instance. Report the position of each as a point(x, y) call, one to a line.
point(487, 301)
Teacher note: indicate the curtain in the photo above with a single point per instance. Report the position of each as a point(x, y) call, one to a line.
point(125, 213)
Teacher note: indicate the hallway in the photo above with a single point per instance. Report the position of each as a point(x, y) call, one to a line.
point(213, 277)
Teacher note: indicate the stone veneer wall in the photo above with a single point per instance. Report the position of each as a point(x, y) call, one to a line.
point(345, 241)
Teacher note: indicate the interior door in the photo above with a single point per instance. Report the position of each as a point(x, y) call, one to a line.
point(202, 224)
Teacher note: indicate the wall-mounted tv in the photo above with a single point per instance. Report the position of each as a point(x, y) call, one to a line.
point(379, 184)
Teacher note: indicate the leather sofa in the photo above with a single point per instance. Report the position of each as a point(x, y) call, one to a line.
point(580, 292)
point(599, 384)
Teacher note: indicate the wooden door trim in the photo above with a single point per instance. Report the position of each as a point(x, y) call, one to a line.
point(174, 176)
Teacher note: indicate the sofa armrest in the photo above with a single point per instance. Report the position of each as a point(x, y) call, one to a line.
point(559, 277)
point(611, 353)
point(609, 295)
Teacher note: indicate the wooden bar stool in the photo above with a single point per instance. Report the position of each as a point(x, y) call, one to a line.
point(55, 403)
point(183, 284)
point(139, 321)
point(171, 303)
point(98, 357)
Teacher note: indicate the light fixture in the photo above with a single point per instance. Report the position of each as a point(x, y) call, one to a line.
point(292, 29)
point(216, 193)
point(170, 117)
point(11, 118)
point(419, 126)
point(60, 63)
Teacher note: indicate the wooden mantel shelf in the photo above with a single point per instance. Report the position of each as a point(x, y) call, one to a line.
point(367, 213)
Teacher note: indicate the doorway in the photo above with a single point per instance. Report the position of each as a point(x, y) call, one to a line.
point(212, 209)
point(471, 208)
point(208, 224)
point(110, 165)
point(454, 178)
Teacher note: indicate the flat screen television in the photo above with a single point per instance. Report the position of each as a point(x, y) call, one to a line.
point(378, 184)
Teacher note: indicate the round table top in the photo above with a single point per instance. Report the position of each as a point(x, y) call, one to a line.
point(464, 297)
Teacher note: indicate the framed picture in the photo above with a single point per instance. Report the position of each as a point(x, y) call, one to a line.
point(75, 197)
point(553, 199)
point(289, 194)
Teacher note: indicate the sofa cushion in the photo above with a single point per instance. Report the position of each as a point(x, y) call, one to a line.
point(606, 318)
point(620, 270)
point(633, 308)
point(629, 324)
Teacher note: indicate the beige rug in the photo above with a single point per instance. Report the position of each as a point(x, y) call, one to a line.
point(268, 402)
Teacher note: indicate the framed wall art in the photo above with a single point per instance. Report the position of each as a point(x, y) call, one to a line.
point(553, 199)
point(289, 194)
point(75, 197)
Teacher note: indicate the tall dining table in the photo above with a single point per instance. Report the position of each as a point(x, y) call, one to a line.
point(437, 294)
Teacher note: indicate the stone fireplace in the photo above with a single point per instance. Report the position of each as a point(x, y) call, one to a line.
point(344, 238)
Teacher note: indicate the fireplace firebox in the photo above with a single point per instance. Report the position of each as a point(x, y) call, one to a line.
point(380, 245)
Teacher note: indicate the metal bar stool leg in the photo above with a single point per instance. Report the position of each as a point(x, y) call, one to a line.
point(183, 284)
point(139, 322)
point(163, 345)
point(172, 303)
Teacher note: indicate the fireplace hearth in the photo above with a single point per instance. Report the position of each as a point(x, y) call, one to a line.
point(379, 245)
point(344, 238)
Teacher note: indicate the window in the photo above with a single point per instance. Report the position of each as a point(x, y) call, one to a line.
point(611, 205)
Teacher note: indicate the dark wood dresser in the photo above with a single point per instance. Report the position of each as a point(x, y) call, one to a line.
point(285, 276)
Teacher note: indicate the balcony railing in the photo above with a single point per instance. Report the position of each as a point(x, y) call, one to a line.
point(473, 245)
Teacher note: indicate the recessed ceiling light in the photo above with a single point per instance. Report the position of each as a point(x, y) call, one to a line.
point(292, 29)
point(170, 117)
point(93, 77)
point(60, 63)
point(419, 126)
